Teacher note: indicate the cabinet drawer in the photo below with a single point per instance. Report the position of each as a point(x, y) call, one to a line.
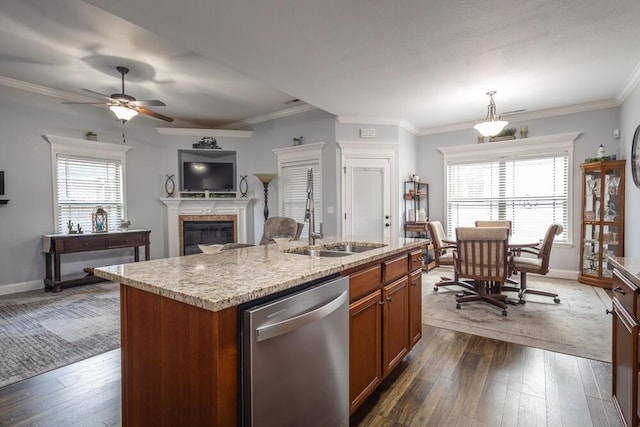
point(395, 268)
point(84, 244)
point(364, 282)
point(126, 240)
point(626, 293)
point(415, 260)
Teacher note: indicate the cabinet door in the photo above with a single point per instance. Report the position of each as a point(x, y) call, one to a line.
point(625, 363)
point(365, 341)
point(415, 307)
point(395, 323)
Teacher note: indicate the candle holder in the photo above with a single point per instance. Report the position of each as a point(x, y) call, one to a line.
point(265, 179)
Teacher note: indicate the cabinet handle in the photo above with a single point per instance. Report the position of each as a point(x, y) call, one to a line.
point(380, 302)
point(609, 311)
point(389, 299)
point(619, 290)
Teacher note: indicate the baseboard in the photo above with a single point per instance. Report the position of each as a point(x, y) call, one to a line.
point(14, 288)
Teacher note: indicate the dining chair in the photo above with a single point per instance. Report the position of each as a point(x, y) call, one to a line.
point(495, 223)
point(538, 264)
point(482, 256)
point(443, 254)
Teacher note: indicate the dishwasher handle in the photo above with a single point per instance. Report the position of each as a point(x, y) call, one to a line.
point(264, 333)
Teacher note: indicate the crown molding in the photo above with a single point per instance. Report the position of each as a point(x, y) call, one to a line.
point(551, 112)
point(239, 124)
point(43, 90)
point(217, 133)
point(629, 85)
point(380, 121)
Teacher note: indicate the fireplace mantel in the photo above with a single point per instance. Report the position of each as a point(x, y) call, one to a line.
point(200, 206)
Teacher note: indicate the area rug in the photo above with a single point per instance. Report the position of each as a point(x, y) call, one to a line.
point(42, 331)
point(578, 325)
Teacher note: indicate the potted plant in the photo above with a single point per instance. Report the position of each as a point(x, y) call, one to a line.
point(92, 136)
point(505, 134)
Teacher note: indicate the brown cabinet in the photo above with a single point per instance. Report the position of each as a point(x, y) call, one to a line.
point(602, 228)
point(624, 352)
point(385, 320)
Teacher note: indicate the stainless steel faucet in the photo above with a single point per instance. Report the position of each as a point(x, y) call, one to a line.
point(309, 215)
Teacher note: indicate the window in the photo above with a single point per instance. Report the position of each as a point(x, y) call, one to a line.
point(530, 187)
point(87, 175)
point(293, 164)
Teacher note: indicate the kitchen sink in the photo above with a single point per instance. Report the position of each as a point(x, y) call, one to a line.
point(353, 247)
point(336, 249)
point(319, 253)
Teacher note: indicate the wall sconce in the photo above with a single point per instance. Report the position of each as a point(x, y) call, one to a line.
point(265, 179)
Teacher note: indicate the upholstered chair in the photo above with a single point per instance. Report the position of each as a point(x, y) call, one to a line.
point(482, 256)
point(443, 254)
point(495, 223)
point(538, 264)
point(278, 226)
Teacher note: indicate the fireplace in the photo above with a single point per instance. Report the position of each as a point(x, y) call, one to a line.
point(206, 209)
point(205, 229)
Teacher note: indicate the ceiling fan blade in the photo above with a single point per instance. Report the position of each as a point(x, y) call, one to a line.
point(153, 114)
point(149, 103)
point(98, 94)
point(86, 103)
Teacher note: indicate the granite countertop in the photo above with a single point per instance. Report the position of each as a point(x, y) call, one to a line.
point(228, 278)
point(629, 267)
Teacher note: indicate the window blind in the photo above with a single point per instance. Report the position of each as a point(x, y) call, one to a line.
point(82, 184)
point(531, 192)
point(294, 187)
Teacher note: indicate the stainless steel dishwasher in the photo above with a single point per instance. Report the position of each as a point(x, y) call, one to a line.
point(296, 358)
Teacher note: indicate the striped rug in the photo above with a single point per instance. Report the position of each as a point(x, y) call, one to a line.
point(41, 331)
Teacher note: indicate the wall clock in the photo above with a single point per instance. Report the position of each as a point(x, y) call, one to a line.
point(635, 157)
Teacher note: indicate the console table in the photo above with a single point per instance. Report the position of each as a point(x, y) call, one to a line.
point(54, 245)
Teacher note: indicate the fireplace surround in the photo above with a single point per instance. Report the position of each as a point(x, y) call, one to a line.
point(201, 209)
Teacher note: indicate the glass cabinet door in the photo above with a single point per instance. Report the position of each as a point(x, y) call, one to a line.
point(602, 220)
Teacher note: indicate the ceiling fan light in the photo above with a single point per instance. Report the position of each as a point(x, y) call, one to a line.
point(492, 125)
point(123, 113)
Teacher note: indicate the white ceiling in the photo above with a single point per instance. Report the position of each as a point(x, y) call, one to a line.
point(426, 63)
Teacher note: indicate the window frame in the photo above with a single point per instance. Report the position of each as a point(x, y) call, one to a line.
point(310, 154)
point(87, 149)
point(517, 149)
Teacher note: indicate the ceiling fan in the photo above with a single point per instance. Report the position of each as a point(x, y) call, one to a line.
point(125, 106)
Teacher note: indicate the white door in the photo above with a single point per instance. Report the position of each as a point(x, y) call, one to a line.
point(367, 198)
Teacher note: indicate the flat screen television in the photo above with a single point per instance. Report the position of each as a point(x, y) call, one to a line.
point(212, 176)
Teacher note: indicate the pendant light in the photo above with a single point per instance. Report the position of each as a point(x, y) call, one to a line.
point(492, 125)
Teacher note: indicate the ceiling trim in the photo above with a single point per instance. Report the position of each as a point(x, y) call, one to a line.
point(380, 121)
point(629, 85)
point(571, 109)
point(219, 133)
point(43, 90)
point(298, 109)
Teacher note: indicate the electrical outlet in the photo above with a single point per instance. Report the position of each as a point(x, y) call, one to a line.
point(616, 133)
point(367, 133)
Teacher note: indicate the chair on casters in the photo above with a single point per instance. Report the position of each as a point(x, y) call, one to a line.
point(482, 256)
point(443, 254)
point(538, 265)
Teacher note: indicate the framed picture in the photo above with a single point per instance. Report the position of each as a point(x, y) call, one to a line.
point(1, 182)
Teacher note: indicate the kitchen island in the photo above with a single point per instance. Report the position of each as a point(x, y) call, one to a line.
point(180, 321)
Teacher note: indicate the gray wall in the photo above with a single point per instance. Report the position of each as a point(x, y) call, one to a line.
point(630, 119)
point(26, 159)
point(596, 128)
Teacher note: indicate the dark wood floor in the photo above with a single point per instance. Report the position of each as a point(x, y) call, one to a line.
point(449, 379)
